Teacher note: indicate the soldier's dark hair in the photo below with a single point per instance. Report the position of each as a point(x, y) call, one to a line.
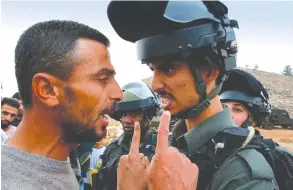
point(49, 47)
point(10, 102)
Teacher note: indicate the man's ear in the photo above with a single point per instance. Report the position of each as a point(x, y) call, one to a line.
point(46, 88)
point(209, 73)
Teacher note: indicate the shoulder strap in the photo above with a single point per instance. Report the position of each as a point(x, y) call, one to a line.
point(270, 143)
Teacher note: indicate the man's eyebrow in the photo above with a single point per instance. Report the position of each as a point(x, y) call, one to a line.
point(104, 71)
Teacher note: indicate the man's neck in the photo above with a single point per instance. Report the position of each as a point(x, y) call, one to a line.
point(213, 109)
point(37, 134)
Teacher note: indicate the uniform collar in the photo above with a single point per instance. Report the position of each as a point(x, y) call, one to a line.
point(197, 136)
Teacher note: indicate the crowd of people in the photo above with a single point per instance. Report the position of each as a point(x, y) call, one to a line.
point(54, 128)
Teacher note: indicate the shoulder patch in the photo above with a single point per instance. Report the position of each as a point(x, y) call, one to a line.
point(260, 168)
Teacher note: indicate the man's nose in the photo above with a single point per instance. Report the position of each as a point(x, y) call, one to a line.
point(116, 93)
point(157, 83)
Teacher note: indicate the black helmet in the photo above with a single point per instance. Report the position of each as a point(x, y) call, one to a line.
point(189, 29)
point(137, 96)
point(245, 88)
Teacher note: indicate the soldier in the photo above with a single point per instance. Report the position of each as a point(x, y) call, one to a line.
point(139, 104)
point(247, 99)
point(191, 47)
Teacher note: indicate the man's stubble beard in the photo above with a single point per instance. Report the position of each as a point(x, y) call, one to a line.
point(74, 128)
point(4, 126)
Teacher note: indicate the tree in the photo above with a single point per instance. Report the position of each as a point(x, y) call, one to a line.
point(287, 71)
point(255, 67)
point(246, 66)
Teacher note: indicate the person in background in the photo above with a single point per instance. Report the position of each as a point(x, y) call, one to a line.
point(92, 163)
point(18, 117)
point(247, 99)
point(249, 104)
point(9, 111)
point(139, 104)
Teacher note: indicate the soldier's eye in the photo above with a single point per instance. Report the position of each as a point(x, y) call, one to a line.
point(237, 110)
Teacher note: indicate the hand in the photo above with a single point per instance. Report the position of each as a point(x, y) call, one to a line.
point(131, 172)
point(170, 169)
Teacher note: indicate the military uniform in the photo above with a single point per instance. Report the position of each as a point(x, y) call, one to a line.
point(247, 169)
point(107, 176)
point(199, 33)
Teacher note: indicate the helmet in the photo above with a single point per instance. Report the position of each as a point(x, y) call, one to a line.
point(190, 30)
point(137, 96)
point(249, 91)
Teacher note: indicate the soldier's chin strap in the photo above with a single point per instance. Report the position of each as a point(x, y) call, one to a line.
point(248, 121)
point(204, 98)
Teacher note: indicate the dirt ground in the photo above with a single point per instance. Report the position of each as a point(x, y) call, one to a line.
point(283, 136)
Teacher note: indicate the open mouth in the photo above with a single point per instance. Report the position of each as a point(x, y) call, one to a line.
point(128, 129)
point(165, 102)
point(103, 121)
point(101, 125)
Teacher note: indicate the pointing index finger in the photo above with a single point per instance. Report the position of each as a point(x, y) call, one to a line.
point(163, 133)
point(134, 148)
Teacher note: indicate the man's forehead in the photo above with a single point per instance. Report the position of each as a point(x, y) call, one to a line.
point(88, 49)
point(92, 58)
point(9, 109)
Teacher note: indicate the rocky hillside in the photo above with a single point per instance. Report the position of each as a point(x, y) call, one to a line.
point(279, 87)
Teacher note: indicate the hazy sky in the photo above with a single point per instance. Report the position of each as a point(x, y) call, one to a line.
point(265, 36)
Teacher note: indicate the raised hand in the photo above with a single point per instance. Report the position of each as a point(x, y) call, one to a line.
point(131, 172)
point(170, 169)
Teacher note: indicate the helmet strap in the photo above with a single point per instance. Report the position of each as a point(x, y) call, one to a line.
point(248, 121)
point(204, 101)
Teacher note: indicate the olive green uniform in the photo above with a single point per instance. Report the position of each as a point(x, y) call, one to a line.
point(247, 169)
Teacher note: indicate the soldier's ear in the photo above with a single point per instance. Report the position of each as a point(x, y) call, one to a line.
point(253, 123)
point(209, 73)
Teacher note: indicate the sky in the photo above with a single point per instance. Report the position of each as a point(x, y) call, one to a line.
point(265, 36)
